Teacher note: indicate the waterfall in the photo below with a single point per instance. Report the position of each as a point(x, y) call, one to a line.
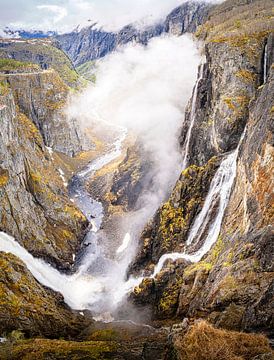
point(192, 117)
point(219, 192)
point(265, 63)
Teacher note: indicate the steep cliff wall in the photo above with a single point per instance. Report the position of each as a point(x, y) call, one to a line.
point(232, 285)
point(35, 207)
point(91, 44)
point(27, 306)
point(42, 97)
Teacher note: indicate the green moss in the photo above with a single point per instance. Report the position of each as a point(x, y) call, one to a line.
point(216, 251)
point(4, 87)
point(30, 129)
point(169, 300)
point(87, 70)
point(104, 335)
point(59, 349)
point(7, 65)
point(200, 266)
point(171, 222)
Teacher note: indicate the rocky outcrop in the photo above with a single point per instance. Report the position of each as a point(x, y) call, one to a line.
point(28, 307)
point(131, 178)
point(232, 285)
point(42, 52)
point(35, 208)
point(91, 43)
point(42, 96)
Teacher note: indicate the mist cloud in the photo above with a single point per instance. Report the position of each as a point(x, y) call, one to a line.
point(145, 89)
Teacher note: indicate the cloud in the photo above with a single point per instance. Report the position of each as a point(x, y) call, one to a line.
point(110, 14)
point(59, 11)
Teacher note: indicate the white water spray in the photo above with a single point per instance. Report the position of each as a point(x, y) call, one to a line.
point(265, 63)
point(124, 244)
point(219, 193)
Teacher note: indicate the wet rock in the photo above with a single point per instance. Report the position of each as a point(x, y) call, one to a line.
point(42, 97)
point(233, 283)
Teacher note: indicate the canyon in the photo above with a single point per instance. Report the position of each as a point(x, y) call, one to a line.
point(136, 209)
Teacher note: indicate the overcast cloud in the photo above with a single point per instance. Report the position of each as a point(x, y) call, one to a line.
point(65, 15)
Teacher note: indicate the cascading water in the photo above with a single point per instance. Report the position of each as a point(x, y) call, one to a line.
point(219, 193)
point(85, 289)
point(265, 63)
point(192, 117)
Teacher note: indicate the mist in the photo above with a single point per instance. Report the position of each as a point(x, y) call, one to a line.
point(141, 91)
point(144, 90)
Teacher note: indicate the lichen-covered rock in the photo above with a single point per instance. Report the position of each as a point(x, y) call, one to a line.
point(34, 203)
point(42, 97)
point(167, 232)
point(232, 285)
point(123, 341)
point(131, 178)
point(27, 306)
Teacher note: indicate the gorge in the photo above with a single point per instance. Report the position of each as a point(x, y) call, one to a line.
point(136, 206)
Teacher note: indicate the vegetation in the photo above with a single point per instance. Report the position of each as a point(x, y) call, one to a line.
point(204, 342)
point(58, 350)
point(4, 87)
point(240, 24)
point(87, 70)
point(45, 55)
point(4, 177)
point(10, 65)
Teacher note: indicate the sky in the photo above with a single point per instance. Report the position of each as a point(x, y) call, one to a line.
point(65, 15)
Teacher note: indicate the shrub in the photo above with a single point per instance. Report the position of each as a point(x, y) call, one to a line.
point(204, 342)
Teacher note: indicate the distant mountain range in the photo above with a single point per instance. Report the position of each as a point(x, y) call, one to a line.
point(90, 43)
point(28, 34)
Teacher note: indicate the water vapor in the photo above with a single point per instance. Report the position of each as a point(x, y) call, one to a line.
point(145, 89)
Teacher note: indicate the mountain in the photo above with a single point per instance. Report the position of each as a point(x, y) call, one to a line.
point(90, 43)
point(204, 262)
point(42, 52)
point(228, 133)
point(28, 34)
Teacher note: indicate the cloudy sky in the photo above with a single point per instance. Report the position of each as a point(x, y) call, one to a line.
point(65, 15)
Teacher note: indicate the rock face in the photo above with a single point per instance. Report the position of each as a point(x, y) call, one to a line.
point(42, 52)
point(35, 207)
point(232, 285)
point(26, 305)
point(42, 96)
point(91, 44)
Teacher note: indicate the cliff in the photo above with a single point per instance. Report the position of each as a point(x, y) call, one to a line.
point(44, 53)
point(35, 207)
point(231, 283)
point(90, 43)
point(44, 102)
